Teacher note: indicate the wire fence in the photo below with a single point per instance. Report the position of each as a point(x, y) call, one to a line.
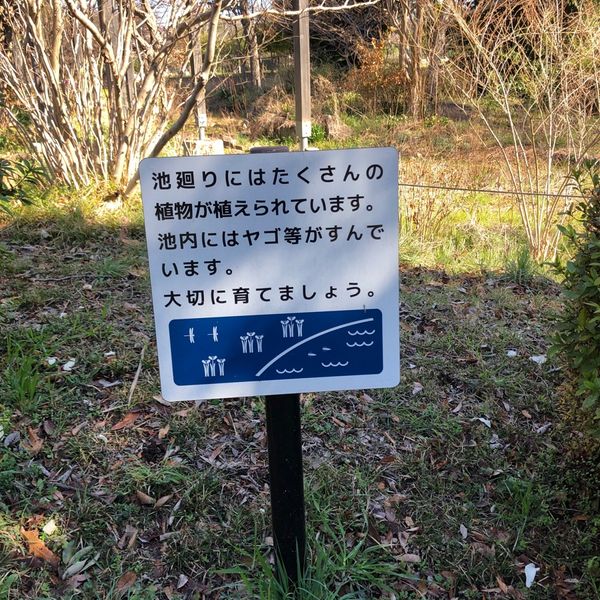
point(429, 186)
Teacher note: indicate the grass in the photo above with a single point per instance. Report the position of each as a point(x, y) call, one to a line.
point(445, 486)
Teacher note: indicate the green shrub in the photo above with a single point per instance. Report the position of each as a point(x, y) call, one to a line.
point(318, 134)
point(578, 329)
point(16, 179)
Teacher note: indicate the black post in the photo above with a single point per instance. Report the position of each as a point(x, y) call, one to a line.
point(287, 487)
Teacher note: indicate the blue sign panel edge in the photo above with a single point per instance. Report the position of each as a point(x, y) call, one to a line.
point(276, 347)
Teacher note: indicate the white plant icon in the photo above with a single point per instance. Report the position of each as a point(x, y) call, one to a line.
point(221, 363)
point(210, 366)
point(213, 366)
point(206, 365)
point(287, 327)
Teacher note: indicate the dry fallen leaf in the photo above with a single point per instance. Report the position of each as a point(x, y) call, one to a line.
point(417, 388)
point(35, 442)
point(409, 558)
point(128, 538)
point(540, 359)
point(75, 581)
point(108, 384)
point(49, 427)
point(138, 272)
point(183, 413)
point(168, 592)
point(145, 499)
point(127, 421)
point(543, 428)
point(126, 581)
point(162, 432)
point(503, 587)
point(78, 428)
point(68, 366)
point(161, 400)
point(37, 548)
point(162, 501)
point(483, 549)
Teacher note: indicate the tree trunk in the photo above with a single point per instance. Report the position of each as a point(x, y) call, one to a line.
point(252, 53)
point(416, 72)
point(438, 48)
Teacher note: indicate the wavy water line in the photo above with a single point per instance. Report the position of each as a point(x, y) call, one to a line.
point(288, 371)
point(365, 332)
point(308, 339)
point(337, 364)
point(359, 344)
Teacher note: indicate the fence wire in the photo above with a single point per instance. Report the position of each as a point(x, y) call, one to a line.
point(429, 186)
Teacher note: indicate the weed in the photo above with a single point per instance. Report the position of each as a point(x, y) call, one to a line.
point(435, 120)
point(318, 134)
point(112, 268)
point(158, 479)
point(8, 469)
point(21, 380)
point(16, 180)
point(7, 580)
point(334, 571)
point(521, 268)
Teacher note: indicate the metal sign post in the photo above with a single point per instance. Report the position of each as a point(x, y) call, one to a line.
point(284, 440)
point(302, 73)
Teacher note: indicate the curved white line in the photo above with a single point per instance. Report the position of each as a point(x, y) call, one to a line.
point(289, 371)
point(359, 344)
point(337, 364)
point(308, 339)
point(365, 332)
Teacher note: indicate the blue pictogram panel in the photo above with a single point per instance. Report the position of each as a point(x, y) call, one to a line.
point(276, 347)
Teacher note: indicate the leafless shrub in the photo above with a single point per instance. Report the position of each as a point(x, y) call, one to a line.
point(424, 213)
point(92, 77)
point(272, 115)
point(537, 64)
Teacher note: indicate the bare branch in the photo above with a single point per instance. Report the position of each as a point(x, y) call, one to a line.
point(189, 104)
point(322, 7)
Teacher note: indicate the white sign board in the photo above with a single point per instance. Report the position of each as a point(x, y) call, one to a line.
point(274, 273)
